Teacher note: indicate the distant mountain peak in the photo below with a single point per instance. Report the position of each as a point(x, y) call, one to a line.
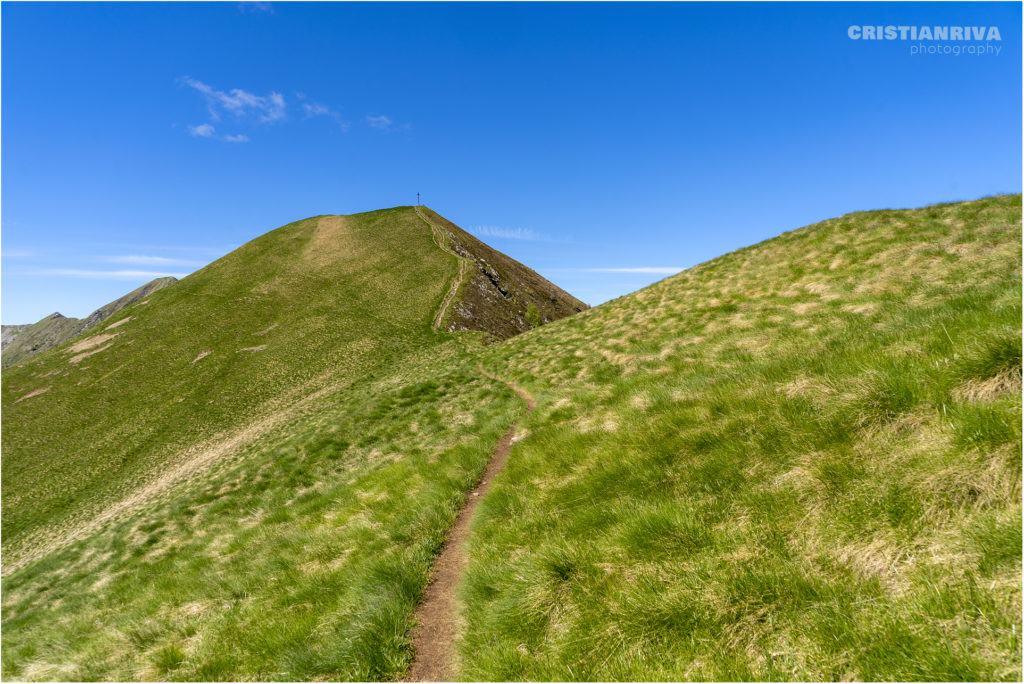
point(22, 341)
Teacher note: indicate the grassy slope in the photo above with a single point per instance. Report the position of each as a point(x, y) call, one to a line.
point(751, 482)
point(119, 417)
point(797, 461)
point(303, 555)
point(304, 560)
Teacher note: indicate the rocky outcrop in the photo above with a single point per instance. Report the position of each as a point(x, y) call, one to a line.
point(500, 296)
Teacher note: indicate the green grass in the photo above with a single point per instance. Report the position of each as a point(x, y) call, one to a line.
point(798, 461)
point(251, 478)
point(305, 560)
point(308, 308)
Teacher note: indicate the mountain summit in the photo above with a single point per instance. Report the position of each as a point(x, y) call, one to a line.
point(314, 304)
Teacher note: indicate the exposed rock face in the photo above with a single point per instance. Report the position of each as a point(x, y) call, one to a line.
point(501, 296)
point(23, 341)
point(9, 332)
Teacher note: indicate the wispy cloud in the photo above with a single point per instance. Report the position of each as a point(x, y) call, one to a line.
point(380, 122)
point(202, 130)
point(149, 248)
point(17, 253)
point(249, 108)
point(148, 260)
point(509, 233)
point(208, 131)
point(312, 109)
point(256, 7)
point(656, 270)
point(241, 103)
point(103, 275)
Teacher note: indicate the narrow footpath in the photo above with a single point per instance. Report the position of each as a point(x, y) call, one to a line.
point(436, 618)
point(463, 269)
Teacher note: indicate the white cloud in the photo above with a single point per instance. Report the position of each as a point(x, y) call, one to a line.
point(188, 249)
point(256, 7)
point(508, 233)
point(147, 260)
point(380, 122)
point(104, 275)
point(269, 108)
point(16, 253)
point(202, 131)
point(265, 108)
point(315, 109)
point(658, 270)
point(208, 131)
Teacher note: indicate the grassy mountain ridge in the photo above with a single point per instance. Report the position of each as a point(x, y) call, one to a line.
point(315, 304)
point(23, 341)
point(798, 461)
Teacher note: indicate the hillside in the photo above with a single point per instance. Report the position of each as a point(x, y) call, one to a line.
point(310, 306)
point(22, 341)
point(798, 461)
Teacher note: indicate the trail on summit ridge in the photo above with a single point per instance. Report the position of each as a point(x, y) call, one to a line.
point(463, 269)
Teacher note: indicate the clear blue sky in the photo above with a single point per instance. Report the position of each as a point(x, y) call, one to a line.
point(581, 139)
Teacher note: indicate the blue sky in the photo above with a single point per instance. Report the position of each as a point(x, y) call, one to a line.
point(604, 145)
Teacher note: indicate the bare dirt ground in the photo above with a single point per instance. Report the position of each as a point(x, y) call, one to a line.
point(119, 323)
point(33, 393)
point(437, 617)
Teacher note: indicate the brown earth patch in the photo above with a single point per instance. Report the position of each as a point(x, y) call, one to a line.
point(202, 355)
point(90, 343)
point(120, 322)
point(254, 349)
point(33, 393)
point(77, 358)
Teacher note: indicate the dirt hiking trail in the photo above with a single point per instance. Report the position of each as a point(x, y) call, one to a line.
point(463, 269)
point(437, 617)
